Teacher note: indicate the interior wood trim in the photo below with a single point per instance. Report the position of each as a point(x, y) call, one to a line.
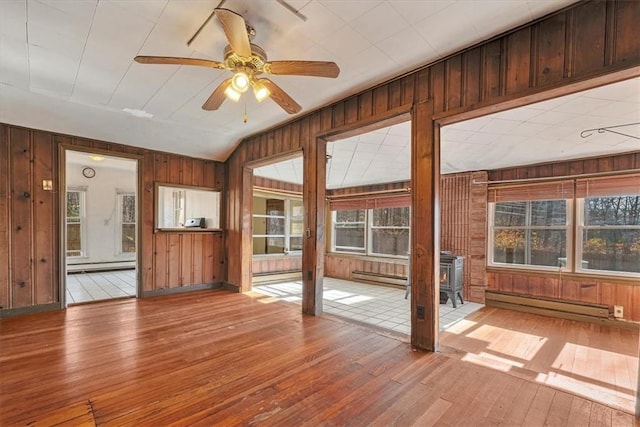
point(537, 94)
point(63, 147)
point(390, 117)
point(567, 275)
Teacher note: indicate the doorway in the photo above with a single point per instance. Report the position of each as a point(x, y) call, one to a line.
point(99, 224)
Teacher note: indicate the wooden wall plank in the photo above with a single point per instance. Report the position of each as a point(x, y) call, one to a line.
point(625, 48)
point(147, 240)
point(5, 207)
point(550, 50)
point(518, 57)
point(454, 86)
point(45, 220)
point(589, 38)
point(21, 217)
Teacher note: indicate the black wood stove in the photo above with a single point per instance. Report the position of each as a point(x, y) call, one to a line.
point(451, 269)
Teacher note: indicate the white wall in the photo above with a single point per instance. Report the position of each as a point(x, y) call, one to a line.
point(101, 210)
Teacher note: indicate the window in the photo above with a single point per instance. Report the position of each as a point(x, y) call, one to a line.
point(530, 233)
point(75, 223)
point(126, 223)
point(348, 230)
point(389, 231)
point(536, 225)
point(175, 204)
point(379, 231)
point(609, 234)
point(277, 224)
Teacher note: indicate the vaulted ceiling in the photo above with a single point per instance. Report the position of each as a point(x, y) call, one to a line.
point(67, 65)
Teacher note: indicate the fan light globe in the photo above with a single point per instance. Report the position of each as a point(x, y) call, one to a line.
point(260, 91)
point(230, 93)
point(240, 82)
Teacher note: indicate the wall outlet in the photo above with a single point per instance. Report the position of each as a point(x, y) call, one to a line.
point(618, 311)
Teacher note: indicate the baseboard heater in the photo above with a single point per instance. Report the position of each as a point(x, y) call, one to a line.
point(277, 276)
point(595, 313)
point(379, 278)
point(101, 266)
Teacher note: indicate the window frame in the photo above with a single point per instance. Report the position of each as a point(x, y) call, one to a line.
point(287, 223)
point(82, 221)
point(579, 241)
point(120, 194)
point(367, 250)
point(568, 228)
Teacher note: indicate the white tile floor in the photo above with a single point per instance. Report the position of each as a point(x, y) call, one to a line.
point(85, 287)
point(381, 306)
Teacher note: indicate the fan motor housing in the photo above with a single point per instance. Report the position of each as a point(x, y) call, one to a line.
point(256, 61)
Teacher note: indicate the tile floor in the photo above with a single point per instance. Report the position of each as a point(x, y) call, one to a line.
point(381, 306)
point(85, 287)
point(377, 305)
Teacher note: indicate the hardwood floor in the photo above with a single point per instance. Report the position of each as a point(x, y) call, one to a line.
point(218, 358)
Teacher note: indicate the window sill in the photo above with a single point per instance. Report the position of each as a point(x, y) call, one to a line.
point(188, 230)
point(389, 259)
point(581, 276)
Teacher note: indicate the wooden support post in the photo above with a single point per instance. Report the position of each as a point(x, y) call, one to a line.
point(425, 226)
point(638, 384)
point(314, 226)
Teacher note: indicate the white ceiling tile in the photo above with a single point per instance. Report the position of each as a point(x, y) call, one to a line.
point(540, 8)
point(13, 20)
point(321, 22)
point(582, 105)
point(408, 49)
point(413, 12)
point(147, 9)
point(503, 15)
point(379, 23)
point(444, 37)
point(51, 71)
point(350, 10)
point(14, 67)
point(345, 43)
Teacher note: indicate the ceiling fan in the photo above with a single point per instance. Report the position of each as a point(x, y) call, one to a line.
point(248, 62)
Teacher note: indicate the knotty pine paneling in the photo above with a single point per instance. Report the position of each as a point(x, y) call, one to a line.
point(276, 264)
point(586, 166)
point(590, 40)
point(573, 287)
point(30, 222)
point(570, 287)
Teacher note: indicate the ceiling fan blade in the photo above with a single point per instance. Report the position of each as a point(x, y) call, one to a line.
point(236, 31)
point(303, 68)
point(178, 61)
point(217, 97)
point(281, 97)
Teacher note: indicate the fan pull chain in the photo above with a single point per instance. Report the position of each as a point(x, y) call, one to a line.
point(245, 118)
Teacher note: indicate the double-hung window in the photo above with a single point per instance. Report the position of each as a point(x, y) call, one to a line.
point(530, 225)
point(76, 230)
point(608, 235)
point(375, 226)
point(126, 231)
point(277, 224)
point(532, 232)
point(589, 225)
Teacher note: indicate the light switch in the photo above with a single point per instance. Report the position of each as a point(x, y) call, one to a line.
point(47, 184)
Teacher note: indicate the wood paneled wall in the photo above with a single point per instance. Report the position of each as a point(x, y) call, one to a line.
point(181, 258)
point(589, 44)
point(463, 210)
point(30, 219)
point(587, 166)
point(342, 266)
point(571, 287)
